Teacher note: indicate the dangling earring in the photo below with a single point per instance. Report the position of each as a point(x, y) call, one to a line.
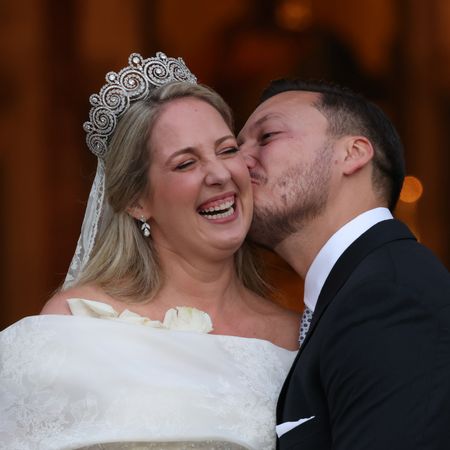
point(145, 227)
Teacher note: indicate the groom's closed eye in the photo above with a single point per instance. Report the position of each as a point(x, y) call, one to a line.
point(265, 137)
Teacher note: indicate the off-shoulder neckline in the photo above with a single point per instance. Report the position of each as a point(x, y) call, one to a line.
point(133, 318)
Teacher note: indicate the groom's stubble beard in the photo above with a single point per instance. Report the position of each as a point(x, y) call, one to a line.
point(303, 196)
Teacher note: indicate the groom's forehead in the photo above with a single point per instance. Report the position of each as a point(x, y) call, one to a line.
point(284, 103)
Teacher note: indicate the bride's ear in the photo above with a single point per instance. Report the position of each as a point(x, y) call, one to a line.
point(138, 210)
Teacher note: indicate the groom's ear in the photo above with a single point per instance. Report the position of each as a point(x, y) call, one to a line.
point(358, 152)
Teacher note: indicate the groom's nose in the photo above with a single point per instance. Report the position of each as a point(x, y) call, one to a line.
point(249, 155)
point(250, 161)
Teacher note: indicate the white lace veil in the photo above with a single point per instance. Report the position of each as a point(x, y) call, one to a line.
point(132, 83)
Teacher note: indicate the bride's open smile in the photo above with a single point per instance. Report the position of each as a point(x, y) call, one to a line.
point(220, 210)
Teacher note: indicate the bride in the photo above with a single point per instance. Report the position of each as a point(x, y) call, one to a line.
point(160, 337)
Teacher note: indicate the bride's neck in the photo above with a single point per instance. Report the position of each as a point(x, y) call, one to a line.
point(209, 286)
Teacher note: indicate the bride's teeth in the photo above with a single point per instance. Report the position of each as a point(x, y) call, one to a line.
point(221, 207)
point(219, 216)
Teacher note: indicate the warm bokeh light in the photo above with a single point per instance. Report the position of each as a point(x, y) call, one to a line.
point(412, 190)
point(294, 15)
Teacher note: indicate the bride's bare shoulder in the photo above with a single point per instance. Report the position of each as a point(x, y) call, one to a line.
point(281, 325)
point(285, 326)
point(57, 304)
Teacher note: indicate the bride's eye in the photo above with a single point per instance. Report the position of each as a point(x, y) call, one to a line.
point(229, 151)
point(184, 165)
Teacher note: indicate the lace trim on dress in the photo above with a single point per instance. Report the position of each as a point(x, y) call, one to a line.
point(205, 445)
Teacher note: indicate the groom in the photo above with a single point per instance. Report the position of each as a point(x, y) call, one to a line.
point(373, 371)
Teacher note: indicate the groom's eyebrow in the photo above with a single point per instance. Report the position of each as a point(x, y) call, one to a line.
point(266, 118)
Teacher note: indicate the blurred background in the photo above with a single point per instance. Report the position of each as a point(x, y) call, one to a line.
point(55, 53)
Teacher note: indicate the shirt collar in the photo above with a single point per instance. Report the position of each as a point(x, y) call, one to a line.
point(333, 249)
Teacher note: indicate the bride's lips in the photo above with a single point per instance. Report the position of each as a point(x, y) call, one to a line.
point(219, 209)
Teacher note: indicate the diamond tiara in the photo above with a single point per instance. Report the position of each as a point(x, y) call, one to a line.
point(132, 83)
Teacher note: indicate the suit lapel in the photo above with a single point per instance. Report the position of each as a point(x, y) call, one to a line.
point(378, 235)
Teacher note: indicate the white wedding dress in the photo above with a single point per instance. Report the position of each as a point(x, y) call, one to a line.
point(72, 382)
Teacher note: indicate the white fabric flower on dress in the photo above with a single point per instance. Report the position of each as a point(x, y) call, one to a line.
point(185, 318)
point(181, 318)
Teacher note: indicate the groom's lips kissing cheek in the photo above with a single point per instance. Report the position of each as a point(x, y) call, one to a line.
point(257, 179)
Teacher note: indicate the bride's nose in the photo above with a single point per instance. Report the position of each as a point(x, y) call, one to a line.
point(217, 173)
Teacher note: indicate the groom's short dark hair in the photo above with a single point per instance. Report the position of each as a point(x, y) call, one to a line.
point(350, 113)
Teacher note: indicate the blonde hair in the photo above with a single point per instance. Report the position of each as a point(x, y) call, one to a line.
point(123, 262)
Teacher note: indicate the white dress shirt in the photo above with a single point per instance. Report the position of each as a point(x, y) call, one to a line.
point(334, 248)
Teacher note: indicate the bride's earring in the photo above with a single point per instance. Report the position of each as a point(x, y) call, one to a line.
point(145, 227)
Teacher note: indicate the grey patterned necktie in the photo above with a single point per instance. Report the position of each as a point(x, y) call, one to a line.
point(305, 323)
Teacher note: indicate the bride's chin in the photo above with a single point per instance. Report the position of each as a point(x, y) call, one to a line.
point(230, 246)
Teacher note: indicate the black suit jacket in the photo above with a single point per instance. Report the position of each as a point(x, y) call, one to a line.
point(374, 369)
